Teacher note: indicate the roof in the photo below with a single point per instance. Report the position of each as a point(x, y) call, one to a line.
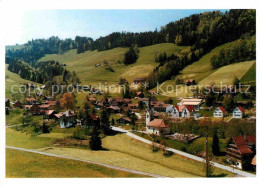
point(222, 109)
point(139, 93)
point(192, 101)
point(242, 143)
point(50, 102)
point(139, 79)
point(254, 160)
point(241, 109)
point(58, 115)
point(93, 117)
point(143, 99)
point(7, 99)
point(180, 108)
point(161, 105)
point(189, 80)
point(44, 106)
point(114, 107)
point(157, 123)
point(91, 99)
point(49, 112)
point(17, 101)
point(126, 100)
point(126, 118)
point(189, 108)
point(30, 99)
point(132, 105)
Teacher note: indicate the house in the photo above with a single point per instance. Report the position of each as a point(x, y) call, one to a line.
point(30, 85)
point(194, 102)
point(94, 120)
point(144, 100)
point(139, 80)
point(187, 111)
point(133, 106)
point(7, 102)
point(219, 112)
point(123, 81)
point(44, 107)
point(139, 94)
point(30, 100)
point(17, 104)
point(125, 120)
point(241, 148)
point(162, 107)
point(158, 127)
point(66, 119)
point(189, 82)
point(238, 112)
point(33, 109)
point(126, 101)
point(114, 109)
point(176, 111)
point(152, 92)
point(49, 114)
point(92, 100)
point(42, 87)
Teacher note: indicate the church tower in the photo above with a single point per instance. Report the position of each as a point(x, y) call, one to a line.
point(149, 113)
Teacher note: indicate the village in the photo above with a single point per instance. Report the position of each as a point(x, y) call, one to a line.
point(145, 115)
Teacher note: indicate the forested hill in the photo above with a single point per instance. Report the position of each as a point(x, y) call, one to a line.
point(200, 31)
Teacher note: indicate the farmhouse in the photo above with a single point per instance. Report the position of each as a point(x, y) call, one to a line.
point(187, 111)
point(238, 112)
point(219, 112)
point(49, 114)
point(30, 100)
point(114, 109)
point(158, 127)
point(162, 107)
point(125, 120)
point(33, 109)
point(189, 82)
point(194, 102)
point(139, 94)
point(241, 148)
point(139, 80)
point(176, 111)
point(17, 104)
point(66, 119)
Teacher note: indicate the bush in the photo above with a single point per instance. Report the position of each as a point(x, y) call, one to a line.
point(78, 133)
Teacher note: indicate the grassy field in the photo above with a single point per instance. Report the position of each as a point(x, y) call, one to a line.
point(21, 164)
point(23, 140)
point(124, 151)
point(250, 76)
point(226, 74)
point(84, 64)
point(14, 117)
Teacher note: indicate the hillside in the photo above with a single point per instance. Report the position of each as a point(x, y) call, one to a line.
point(12, 79)
point(201, 71)
point(226, 74)
point(84, 63)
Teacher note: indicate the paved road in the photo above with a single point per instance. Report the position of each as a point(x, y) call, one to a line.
point(227, 168)
point(87, 161)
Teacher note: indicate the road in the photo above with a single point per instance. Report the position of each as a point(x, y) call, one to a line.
point(224, 167)
point(87, 161)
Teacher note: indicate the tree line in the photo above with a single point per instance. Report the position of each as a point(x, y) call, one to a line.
point(242, 50)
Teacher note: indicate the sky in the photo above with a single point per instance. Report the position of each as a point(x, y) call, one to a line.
point(34, 24)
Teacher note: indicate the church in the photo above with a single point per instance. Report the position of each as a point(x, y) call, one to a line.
point(155, 126)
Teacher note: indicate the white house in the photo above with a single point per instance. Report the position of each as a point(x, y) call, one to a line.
point(187, 111)
point(219, 112)
point(158, 127)
point(67, 119)
point(238, 112)
point(175, 112)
